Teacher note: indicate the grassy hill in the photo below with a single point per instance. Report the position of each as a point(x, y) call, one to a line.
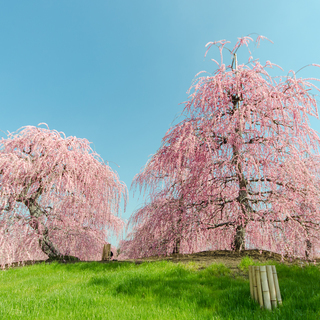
point(151, 290)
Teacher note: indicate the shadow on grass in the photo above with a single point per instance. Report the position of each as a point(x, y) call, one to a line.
point(90, 265)
point(174, 286)
point(213, 292)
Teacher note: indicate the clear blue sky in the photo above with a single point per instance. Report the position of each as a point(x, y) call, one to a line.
point(114, 72)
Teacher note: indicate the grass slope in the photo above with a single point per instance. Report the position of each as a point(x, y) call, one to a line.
point(157, 290)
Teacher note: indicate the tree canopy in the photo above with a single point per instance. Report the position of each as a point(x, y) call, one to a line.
point(57, 197)
point(240, 171)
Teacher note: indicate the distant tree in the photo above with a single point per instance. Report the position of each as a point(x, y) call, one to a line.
point(57, 197)
point(242, 170)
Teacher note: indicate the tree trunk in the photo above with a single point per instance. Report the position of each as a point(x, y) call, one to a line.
point(239, 241)
point(308, 248)
point(176, 248)
point(239, 238)
point(48, 247)
point(45, 243)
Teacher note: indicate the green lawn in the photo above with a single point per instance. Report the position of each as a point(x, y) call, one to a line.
point(157, 290)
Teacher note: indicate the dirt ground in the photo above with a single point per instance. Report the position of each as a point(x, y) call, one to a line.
point(229, 258)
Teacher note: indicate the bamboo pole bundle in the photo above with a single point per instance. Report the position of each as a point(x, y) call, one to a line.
point(264, 286)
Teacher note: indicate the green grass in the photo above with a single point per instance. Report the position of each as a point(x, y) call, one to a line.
point(157, 290)
point(245, 263)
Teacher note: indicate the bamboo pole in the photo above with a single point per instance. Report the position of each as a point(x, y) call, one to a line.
point(265, 288)
point(257, 269)
point(272, 288)
point(251, 282)
point(103, 252)
point(276, 284)
point(254, 283)
point(106, 252)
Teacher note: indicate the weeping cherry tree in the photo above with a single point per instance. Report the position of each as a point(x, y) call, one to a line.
point(240, 171)
point(57, 197)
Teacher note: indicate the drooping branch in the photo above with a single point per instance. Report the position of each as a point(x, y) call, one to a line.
point(57, 193)
point(243, 160)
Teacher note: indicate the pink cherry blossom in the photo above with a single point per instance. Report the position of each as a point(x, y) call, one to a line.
point(58, 197)
point(240, 171)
